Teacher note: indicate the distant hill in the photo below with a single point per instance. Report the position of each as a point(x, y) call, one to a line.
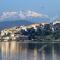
point(39, 20)
point(8, 24)
point(14, 22)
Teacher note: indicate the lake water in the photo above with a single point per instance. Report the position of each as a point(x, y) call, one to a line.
point(29, 51)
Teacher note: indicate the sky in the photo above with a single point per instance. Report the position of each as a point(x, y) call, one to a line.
point(49, 7)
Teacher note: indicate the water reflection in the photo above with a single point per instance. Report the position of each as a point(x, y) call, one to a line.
point(24, 51)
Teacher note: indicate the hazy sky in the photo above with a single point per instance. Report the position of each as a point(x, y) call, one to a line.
point(50, 7)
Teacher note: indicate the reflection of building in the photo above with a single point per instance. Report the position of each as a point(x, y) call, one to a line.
point(5, 50)
point(8, 50)
point(13, 51)
point(5, 47)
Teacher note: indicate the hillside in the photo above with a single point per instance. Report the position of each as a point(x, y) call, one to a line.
point(8, 24)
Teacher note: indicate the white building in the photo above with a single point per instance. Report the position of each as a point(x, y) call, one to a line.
point(6, 38)
point(2, 33)
point(56, 22)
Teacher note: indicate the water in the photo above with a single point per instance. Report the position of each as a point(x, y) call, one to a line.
point(29, 51)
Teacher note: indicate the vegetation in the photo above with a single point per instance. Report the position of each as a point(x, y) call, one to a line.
point(44, 33)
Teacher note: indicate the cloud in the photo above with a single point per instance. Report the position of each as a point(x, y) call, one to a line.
point(21, 14)
point(55, 17)
point(8, 14)
point(34, 14)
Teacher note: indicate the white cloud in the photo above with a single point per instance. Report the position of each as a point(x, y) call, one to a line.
point(8, 14)
point(21, 14)
point(33, 14)
point(55, 17)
